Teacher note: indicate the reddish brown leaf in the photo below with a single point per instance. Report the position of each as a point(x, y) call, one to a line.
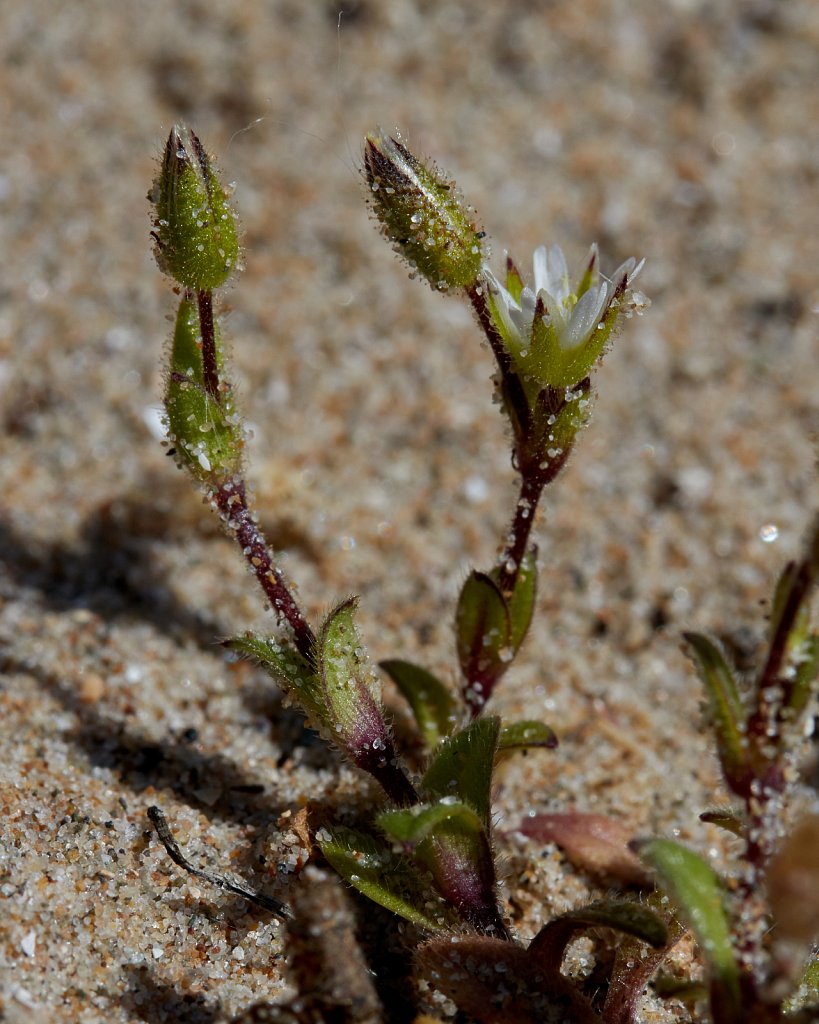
point(591, 841)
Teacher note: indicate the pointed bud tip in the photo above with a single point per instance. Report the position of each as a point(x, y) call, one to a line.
point(195, 229)
point(422, 214)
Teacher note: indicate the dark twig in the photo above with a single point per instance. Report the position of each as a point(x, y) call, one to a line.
point(270, 903)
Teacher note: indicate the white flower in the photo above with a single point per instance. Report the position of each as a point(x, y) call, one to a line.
point(555, 333)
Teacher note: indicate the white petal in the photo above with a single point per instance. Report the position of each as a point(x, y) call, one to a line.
point(586, 316)
point(540, 267)
point(557, 274)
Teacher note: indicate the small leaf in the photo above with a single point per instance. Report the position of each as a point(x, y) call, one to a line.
point(461, 768)
point(521, 735)
point(521, 604)
point(431, 702)
point(549, 945)
point(697, 892)
point(594, 842)
point(726, 708)
point(385, 877)
point(483, 635)
point(729, 818)
point(289, 669)
point(421, 822)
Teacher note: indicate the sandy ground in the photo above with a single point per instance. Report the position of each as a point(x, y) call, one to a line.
point(682, 131)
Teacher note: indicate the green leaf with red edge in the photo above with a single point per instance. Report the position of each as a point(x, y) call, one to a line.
point(727, 712)
point(697, 892)
point(351, 688)
point(483, 630)
point(431, 702)
point(386, 878)
point(461, 768)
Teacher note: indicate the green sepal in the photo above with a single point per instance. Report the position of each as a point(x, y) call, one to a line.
point(521, 604)
point(514, 281)
point(626, 916)
point(461, 767)
point(386, 878)
point(351, 689)
point(423, 215)
point(725, 704)
point(206, 433)
point(290, 670)
point(698, 894)
point(431, 703)
point(196, 238)
point(548, 362)
point(483, 632)
point(528, 733)
point(424, 821)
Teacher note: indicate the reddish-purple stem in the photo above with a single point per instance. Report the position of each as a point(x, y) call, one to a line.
point(210, 370)
point(231, 500)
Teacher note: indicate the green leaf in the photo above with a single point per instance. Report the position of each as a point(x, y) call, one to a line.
point(520, 735)
point(431, 703)
point(521, 604)
point(697, 892)
point(726, 708)
point(385, 878)
point(422, 822)
point(290, 670)
point(351, 690)
point(461, 768)
point(549, 945)
point(483, 633)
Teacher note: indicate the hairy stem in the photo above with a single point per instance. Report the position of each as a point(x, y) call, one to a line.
point(231, 500)
point(533, 480)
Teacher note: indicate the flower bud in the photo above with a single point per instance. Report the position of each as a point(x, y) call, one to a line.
point(423, 215)
point(196, 240)
point(207, 434)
